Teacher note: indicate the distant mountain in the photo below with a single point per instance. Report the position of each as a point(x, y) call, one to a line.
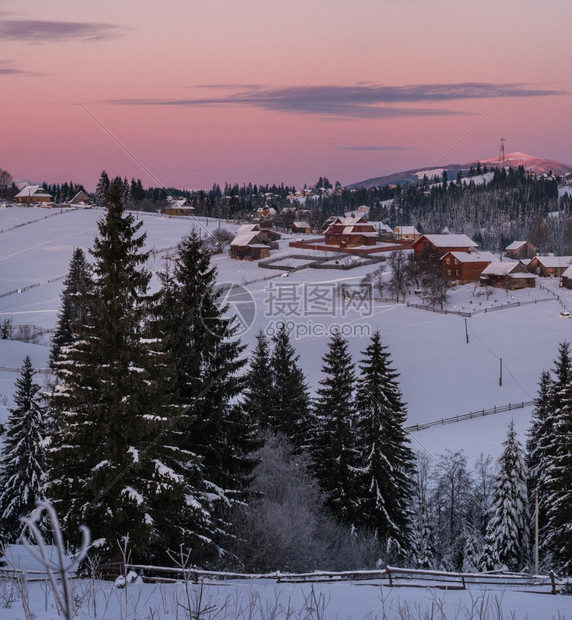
point(513, 160)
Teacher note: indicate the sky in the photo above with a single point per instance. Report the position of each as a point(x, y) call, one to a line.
point(187, 94)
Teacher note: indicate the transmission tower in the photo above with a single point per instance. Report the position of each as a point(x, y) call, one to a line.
point(501, 152)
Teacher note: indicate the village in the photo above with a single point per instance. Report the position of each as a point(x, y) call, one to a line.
point(350, 241)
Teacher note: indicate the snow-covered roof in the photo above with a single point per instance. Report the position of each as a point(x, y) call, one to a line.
point(301, 224)
point(473, 257)
point(515, 245)
point(406, 230)
point(567, 273)
point(32, 190)
point(450, 241)
point(504, 268)
point(554, 261)
point(246, 238)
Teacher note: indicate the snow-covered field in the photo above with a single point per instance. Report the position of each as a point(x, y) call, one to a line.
point(441, 375)
point(268, 600)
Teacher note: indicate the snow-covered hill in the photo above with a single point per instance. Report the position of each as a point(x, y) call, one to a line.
point(513, 160)
point(441, 375)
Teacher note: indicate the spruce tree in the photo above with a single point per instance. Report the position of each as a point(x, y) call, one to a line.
point(556, 475)
point(102, 188)
point(535, 444)
point(71, 309)
point(115, 462)
point(509, 523)
point(22, 463)
point(387, 461)
point(288, 409)
point(206, 361)
point(333, 446)
point(258, 382)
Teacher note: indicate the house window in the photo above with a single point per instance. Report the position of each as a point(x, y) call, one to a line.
point(448, 261)
point(456, 261)
point(449, 272)
point(457, 273)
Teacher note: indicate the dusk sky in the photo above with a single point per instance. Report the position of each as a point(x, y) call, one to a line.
point(274, 91)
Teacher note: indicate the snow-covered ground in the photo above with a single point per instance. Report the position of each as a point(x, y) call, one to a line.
point(268, 600)
point(441, 375)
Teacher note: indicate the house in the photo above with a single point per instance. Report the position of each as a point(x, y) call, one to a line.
point(441, 244)
point(250, 243)
point(301, 227)
point(406, 232)
point(33, 194)
point(383, 230)
point(521, 250)
point(81, 198)
point(510, 275)
point(178, 207)
point(566, 279)
point(350, 232)
point(463, 267)
point(546, 266)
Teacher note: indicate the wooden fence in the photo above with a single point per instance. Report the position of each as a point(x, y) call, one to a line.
point(470, 415)
point(389, 576)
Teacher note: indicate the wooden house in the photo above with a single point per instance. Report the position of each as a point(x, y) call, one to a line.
point(406, 232)
point(511, 275)
point(250, 243)
point(519, 250)
point(350, 232)
point(441, 244)
point(546, 266)
point(464, 267)
point(566, 279)
point(33, 194)
point(178, 207)
point(301, 227)
point(81, 198)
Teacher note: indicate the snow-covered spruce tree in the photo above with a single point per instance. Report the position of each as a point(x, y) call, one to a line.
point(536, 444)
point(258, 382)
point(508, 525)
point(386, 461)
point(102, 188)
point(289, 407)
point(115, 459)
point(71, 310)
point(450, 507)
point(206, 361)
point(556, 475)
point(22, 463)
point(489, 558)
point(332, 438)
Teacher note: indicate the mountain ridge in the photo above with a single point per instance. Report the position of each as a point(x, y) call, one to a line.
point(530, 163)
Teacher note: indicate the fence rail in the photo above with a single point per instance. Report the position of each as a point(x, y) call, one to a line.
point(469, 416)
point(468, 314)
point(392, 576)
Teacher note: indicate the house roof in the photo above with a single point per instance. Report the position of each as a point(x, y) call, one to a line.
point(406, 230)
point(473, 257)
point(554, 261)
point(449, 241)
point(515, 245)
point(504, 268)
point(32, 190)
point(301, 224)
point(567, 273)
point(247, 238)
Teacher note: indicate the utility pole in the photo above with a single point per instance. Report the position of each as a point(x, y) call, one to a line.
point(500, 375)
point(536, 532)
point(466, 332)
point(501, 152)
